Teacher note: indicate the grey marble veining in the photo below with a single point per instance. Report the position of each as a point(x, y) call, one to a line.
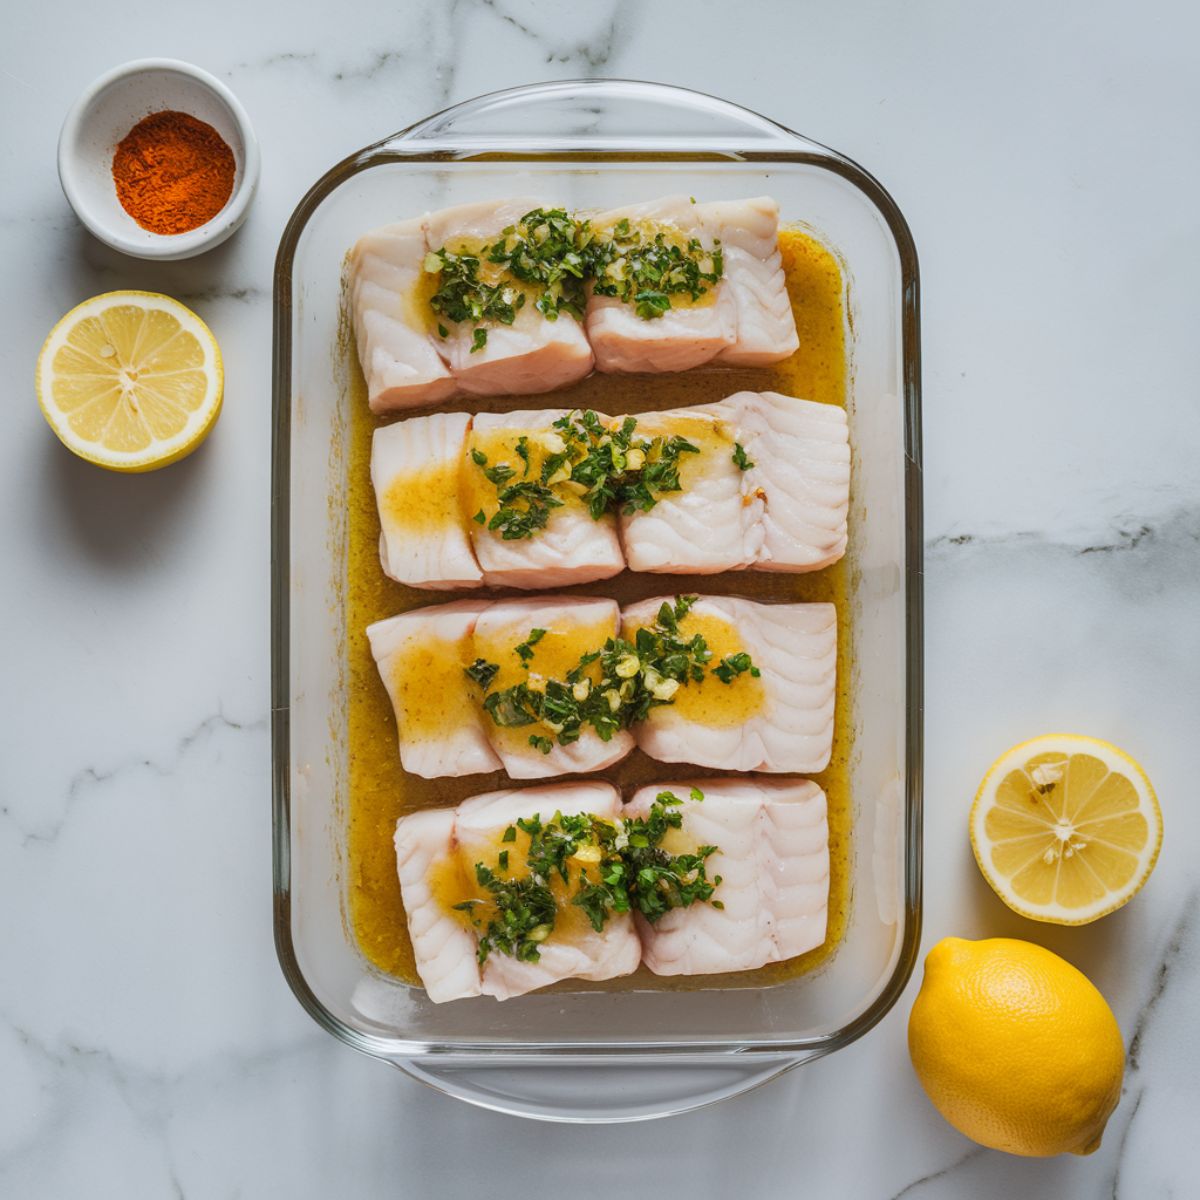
point(1046, 159)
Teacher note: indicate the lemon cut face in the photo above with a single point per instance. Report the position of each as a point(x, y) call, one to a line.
point(1066, 828)
point(130, 381)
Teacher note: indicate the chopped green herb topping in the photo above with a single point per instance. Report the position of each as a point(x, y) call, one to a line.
point(557, 255)
point(647, 271)
point(482, 672)
point(523, 909)
point(525, 649)
point(732, 665)
point(615, 867)
point(741, 458)
point(463, 296)
point(613, 470)
point(635, 677)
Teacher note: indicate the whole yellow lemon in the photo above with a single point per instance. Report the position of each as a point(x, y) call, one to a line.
point(1015, 1047)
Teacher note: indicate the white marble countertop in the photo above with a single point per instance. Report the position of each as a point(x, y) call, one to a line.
point(1046, 158)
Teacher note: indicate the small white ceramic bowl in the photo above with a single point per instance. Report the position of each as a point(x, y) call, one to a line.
point(108, 110)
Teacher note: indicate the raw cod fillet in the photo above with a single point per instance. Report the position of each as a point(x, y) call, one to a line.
point(415, 466)
point(773, 859)
point(402, 367)
point(787, 512)
point(704, 527)
point(573, 548)
point(683, 337)
point(746, 319)
point(781, 721)
point(441, 846)
point(441, 725)
point(533, 354)
point(799, 487)
point(576, 951)
point(748, 231)
point(574, 626)
point(421, 656)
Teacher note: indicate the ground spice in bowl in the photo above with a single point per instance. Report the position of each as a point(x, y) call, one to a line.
point(173, 172)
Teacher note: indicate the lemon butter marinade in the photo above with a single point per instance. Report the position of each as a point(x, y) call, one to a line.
point(379, 791)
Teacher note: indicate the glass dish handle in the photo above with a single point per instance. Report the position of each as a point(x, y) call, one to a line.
point(590, 1090)
point(595, 114)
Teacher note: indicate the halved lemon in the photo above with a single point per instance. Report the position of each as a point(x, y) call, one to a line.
point(1065, 828)
point(130, 381)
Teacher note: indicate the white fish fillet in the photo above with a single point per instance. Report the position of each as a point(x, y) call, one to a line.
point(800, 482)
point(748, 231)
point(575, 625)
point(401, 365)
point(582, 953)
point(790, 728)
point(443, 948)
point(533, 354)
point(423, 539)
point(421, 656)
point(573, 548)
point(773, 859)
point(787, 512)
point(747, 320)
point(703, 528)
point(683, 337)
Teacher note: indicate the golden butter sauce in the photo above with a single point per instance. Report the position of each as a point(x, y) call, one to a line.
point(711, 702)
point(379, 792)
point(453, 883)
point(425, 501)
point(433, 692)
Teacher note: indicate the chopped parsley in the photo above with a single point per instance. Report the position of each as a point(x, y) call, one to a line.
point(525, 650)
point(646, 271)
point(619, 471)
point(741, 458)
point(616, 867)
point(522, 917)
point(462, 296)
point(635, 677)
point(482, 673)
point(556, 256)
point(547, 248)
point(612, 470)
point(732, 665)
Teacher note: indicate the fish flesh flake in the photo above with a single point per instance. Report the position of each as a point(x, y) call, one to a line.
point(436, 853)
point(778, 721)
point(772, 856)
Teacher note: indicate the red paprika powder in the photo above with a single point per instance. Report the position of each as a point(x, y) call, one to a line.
point(173, 172)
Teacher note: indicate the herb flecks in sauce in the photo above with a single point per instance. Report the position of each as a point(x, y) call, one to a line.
point(556, 256)
point(635, 676)
point(646, 266)
point(610, 469)
point(463, 296)
point(598, 866)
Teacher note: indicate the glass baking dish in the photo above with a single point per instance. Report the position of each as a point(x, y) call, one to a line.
point(596, 1055)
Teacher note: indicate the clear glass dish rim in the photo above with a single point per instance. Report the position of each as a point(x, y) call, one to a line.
point(391, 149)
